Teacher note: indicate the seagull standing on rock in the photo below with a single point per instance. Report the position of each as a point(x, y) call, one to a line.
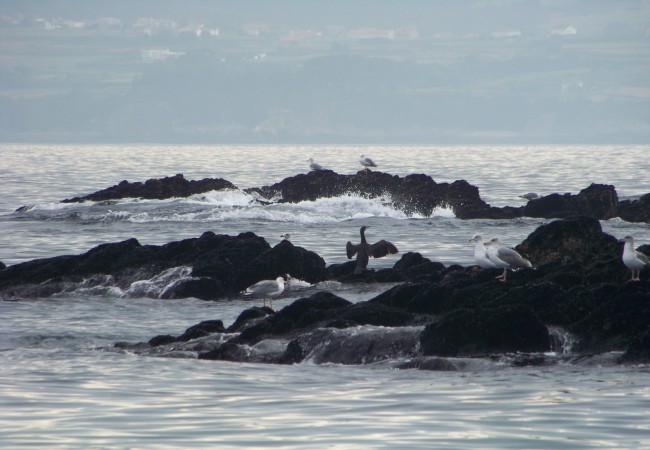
point(314, 165)
point(364, 250)
point(480, 253)
point(366, 162)
point(504, 257)
point(267, 288)
point(634, 259)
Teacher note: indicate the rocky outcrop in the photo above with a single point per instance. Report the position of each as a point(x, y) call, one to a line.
point(577, 240)
point(598, 200)
point(414, 194)
point(220, 265)
point(158, 189)
point(635, 210)
point(459, 312)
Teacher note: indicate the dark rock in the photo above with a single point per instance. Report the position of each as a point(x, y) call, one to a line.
point(414, 267)
point(336, 271)
point(598, 201)
point(162, 188)
point(303, 313)
point(249, 317)
point(162, 339)
point(227, 352)
point(368, 313)
point(216, 262)
point(510, 328)
point(413, 194)
point(2, 266)
point(353, 346)
point(639, 350)
point(202, 288)
point(202, 329)
point(576, 240)
point(199, 330)
point(372, 276)
point(466, 312)
point(635, 210)
point(282, 260)
point(409, 260)
point(616, 317)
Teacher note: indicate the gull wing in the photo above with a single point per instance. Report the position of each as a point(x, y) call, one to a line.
point(643, 258)
point(513, 258)
point(262, 287)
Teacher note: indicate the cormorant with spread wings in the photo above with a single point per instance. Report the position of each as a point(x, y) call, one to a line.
point(364, 250)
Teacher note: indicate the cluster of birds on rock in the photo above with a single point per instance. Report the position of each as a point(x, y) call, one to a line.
point(490, 255)
point(365, 161)
point(487, 255)
point(495, 255)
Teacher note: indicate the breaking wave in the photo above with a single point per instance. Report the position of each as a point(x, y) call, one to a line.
point(224, 206)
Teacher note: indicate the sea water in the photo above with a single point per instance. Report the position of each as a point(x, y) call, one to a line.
point(60, 386)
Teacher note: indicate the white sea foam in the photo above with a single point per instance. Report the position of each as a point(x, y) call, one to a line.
point(237, 206)
point(227, 198)
point(106, 285)
point(156, 286)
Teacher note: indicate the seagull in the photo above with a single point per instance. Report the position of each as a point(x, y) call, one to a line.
point(366, 162)
point(285, 236)
point(314, 165)
point(504, 257)
point(267, 288)
point(633, 259)
point(364, 250)
point(530, 196)
point(480, 253)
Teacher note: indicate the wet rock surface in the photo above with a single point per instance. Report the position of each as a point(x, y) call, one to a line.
point(413, 194)
point(221, 265)
point(158, 189)
point(462, 312)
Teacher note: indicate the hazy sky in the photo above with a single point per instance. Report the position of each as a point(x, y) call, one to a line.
point(325, 71)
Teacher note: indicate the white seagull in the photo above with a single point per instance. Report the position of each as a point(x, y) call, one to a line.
point(314, 165)
point(366, 162)
point(633, 259)
point(480, 253)
point(285, 236)
point(267, 288)
point(504, 257)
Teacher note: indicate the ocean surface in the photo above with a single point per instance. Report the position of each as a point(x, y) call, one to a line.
point(61, 387)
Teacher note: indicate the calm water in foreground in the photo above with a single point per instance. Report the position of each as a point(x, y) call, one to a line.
point(60, 388)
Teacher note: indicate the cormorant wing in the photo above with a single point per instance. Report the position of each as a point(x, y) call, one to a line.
point(351, 249)
point(382, 248)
